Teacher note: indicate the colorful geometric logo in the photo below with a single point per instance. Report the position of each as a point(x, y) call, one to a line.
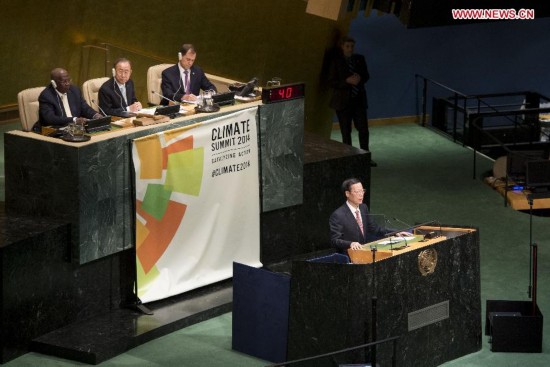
point(175, 168)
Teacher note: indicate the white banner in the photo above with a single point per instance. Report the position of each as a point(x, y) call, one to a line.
point(197, 204)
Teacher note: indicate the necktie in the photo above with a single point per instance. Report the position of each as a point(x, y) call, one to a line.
point(186, 72)
point(66, 107)
point(358, 218)
point(351, 67)
point(123, 92)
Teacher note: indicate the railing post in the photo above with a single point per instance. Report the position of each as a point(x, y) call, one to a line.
point(424, 97)
point(455, 116)
point(473, 125)
point(465, 128)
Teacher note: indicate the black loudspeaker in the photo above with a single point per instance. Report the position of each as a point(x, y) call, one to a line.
point(513, 326)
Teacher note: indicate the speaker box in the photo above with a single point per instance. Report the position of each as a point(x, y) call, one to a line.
point(512, 327)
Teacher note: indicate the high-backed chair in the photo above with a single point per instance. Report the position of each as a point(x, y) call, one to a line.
point(90, 89)
point(28, 106)
point(154, 79)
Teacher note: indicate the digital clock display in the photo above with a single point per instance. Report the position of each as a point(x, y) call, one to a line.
point(283, 92)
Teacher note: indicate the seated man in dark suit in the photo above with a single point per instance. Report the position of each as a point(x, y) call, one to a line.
point(117, 95)
point(184, 81)
point(351, 225)
point(61, 103)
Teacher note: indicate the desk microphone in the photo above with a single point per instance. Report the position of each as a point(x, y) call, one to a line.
point(408, 226)
point(103, 112)
point(411, 229)
point(163, 97)
point(431, 234)
point(249, 87)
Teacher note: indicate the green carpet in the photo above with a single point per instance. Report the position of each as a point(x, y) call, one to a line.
point(421, 176)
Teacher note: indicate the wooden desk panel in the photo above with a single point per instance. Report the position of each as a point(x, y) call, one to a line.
point(365, 255)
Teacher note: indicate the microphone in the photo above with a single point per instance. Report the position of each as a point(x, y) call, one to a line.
point(249, 87)
point(390, 237)
point(379, 219)
point(103, 112)
point(408, 226)
point(163, 97)
point(430, 234)
point(408, 229)
point(440, 230)
point(432, 222)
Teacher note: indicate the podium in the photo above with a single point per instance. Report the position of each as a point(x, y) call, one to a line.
point(428, 293)
point(394, 246)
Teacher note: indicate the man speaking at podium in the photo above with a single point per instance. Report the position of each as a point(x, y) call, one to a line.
point(184, 81)
point(351, 225)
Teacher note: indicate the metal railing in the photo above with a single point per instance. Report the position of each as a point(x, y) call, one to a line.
point(521, 118)
point(106, 49)
point(476, 124)
point(467, 104)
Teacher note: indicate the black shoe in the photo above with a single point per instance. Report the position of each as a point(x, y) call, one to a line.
point(373, 164)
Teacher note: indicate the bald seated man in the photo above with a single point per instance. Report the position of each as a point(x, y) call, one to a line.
point(61, 103)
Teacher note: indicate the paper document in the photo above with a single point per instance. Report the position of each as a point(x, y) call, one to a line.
point(147, 111)
point(395, 240)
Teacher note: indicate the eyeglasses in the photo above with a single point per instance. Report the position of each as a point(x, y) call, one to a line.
point(357, 192)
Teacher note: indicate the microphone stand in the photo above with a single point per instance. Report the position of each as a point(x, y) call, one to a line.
point(101, 109)
point(374, 302)
point(534, 251)
point(163, 97)
point(406, 243)
point(406, 224)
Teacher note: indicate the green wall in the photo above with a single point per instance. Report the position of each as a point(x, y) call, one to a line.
point(237, 39)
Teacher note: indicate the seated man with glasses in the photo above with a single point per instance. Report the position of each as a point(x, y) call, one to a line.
point(61, 103)
point(351, 225)
point(117, 95)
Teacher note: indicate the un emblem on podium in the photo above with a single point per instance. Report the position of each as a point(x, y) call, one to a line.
point(427, 261)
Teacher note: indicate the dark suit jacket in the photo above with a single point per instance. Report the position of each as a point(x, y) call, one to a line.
point(51, 111)
point(110, 97)
point(341, 91)
point(172, 85)
point(344, 228)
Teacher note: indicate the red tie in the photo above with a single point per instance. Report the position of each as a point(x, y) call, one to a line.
point(358, 218)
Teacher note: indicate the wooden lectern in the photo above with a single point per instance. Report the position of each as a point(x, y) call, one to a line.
point(398, 245)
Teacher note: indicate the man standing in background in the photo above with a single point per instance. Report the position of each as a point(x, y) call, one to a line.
point(347, 78)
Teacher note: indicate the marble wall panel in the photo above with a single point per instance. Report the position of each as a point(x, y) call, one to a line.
point(281, 137)
point(331, 305)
